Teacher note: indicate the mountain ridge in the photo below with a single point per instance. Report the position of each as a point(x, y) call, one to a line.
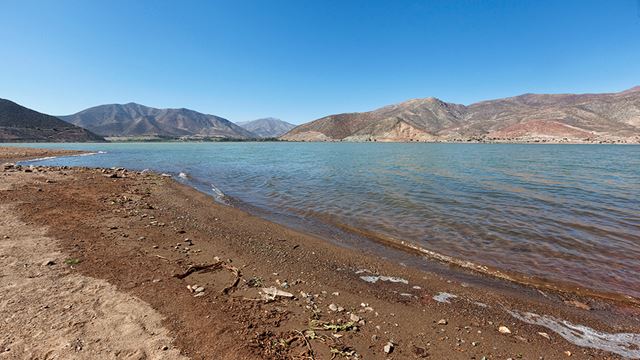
point(267, 127)
point(520, 118)
point(21, 124)
point(133, 119)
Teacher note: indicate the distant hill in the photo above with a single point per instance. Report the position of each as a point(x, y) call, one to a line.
point(267, 127)
point(524, 117)
point(138, 120)
point(20, 124)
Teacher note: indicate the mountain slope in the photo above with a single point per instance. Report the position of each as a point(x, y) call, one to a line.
point(516, 118)
point(267, 127)
point(138, 120)
point(20, 124)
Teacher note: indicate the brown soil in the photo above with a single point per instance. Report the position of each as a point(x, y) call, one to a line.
point(128, 231)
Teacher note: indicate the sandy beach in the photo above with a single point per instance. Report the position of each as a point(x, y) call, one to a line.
point(110, 263)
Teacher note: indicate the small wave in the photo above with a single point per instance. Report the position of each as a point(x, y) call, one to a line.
point(183, 175)
point(623, 344)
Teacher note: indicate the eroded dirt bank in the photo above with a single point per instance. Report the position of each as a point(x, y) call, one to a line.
point(126, 235)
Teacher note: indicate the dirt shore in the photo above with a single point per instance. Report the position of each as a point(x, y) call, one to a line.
point(159, 270)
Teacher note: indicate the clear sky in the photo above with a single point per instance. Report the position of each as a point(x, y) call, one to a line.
point(299, 60)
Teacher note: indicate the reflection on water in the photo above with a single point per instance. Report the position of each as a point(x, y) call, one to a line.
point(558, 212)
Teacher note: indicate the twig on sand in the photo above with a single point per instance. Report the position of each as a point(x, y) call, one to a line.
point(163, 258)
point(307, 343)
point(213, 267)
point(233, 285)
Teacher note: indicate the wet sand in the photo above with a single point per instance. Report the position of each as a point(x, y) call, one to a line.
point(129, 231)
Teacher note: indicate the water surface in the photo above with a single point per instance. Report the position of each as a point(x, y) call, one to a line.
point(566, 213)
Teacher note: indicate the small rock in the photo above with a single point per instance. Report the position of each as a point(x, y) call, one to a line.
point(199, 289)
point(504, 330)
point(474, 343)
point(442, 322)
point(333, 307)
point(568, 353)
point(578, 304)
point(354, 317)
point(198, 294)
point(165, 348)
point(48, 263)
point(388, 348)
point(544, 335)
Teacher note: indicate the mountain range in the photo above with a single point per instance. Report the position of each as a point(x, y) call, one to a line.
point(20, 124)
point(267, 127)
point(127, 120)
point(524, 117)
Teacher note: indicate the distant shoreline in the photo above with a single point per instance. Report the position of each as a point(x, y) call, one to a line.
point(630, 141)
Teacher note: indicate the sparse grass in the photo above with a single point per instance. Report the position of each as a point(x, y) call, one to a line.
point(72, 261)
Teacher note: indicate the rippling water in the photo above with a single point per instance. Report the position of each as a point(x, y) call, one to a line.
point(568, 213)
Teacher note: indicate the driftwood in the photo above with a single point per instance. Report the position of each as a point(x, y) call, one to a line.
point(199, 267)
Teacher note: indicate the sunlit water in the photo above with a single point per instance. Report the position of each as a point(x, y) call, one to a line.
point(567, 213)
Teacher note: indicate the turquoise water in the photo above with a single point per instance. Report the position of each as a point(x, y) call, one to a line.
point(566, 213)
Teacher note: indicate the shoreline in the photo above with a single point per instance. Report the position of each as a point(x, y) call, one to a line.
point(253, 241)
point(366, 238)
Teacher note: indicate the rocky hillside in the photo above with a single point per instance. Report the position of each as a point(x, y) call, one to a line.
point(138, 120)
point(20, 124)
point(267, 127)
point(528, 117)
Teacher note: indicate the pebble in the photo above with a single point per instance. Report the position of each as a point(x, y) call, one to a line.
point(388, 348)
point(333, 307)
point(354, 317)
point(568, 353)
point(442, 322)
point(504, 330)
point(48, 263)
point(544, 335)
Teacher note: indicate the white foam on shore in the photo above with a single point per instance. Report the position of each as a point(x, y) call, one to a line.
point(183, 175)
point(61, 156)
point(623, 344)
point(218, 195)
point(375, 278)
point(444, 297)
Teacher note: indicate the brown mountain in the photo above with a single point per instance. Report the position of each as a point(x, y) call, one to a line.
point(525, 117)
point(20, 124)
point(138, 120)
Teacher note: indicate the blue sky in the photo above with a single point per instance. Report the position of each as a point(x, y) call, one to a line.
point(299, 60)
